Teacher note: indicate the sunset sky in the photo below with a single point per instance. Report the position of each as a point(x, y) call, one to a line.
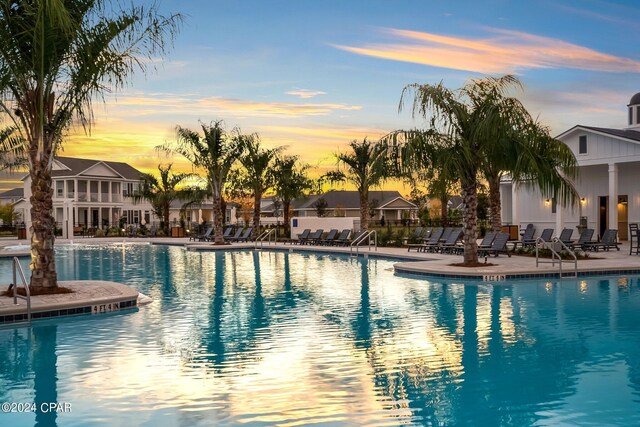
point(313, 75)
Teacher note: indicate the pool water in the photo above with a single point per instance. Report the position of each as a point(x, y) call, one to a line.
point(274, 338)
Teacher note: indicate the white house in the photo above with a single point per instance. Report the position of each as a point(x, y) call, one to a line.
point(609, 172)
point(92, 194)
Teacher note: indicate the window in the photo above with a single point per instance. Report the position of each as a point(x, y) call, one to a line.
point(59, 189)
point(630, 116)
point(582, 149)
point(637, 116)
point(554, 205)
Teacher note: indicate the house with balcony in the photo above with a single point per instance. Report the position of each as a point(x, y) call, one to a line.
point(90, 194)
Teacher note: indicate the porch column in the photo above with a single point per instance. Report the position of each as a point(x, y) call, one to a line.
point(559, 219)
point(99, 217)
point(515, 211)
point(76, 218)
point(613, 196)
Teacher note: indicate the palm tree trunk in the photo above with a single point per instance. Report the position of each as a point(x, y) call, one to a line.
point(494, 200)
point(218, 220)
point(443, 211)
point(469, 216)
point(286, 205)
point(165, 218)
point(364, 209)
point(43, 267)
point(256, 213)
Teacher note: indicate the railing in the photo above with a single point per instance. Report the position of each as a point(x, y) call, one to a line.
point(552, 247)
point(17, 268)
point(266, 235)
point(360, 239)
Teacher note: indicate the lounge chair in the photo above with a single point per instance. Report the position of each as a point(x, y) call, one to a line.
point(451, 244)
point(235, 236)
point(565, 236)
point(314, 238)
point(246, 236)
point(353, 238)
point(634, 243)
point(487, 240)
point(331, 236)
point(416, 236)
point(547, 234)
point(202, 237)
point(433, 242)
point(302, 238)
point(342, 238)
point(609, 240)
point(584, 240)
point(527, 237)
point(498, 245)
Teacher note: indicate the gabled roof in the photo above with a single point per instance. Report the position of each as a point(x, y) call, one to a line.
point(76, 166)
point(349, 199)
point(628, 134)
point(14, 193)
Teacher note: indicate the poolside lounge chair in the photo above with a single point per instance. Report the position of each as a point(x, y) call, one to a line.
point(342, 238)
point(527, 237)
point(433, 241)
point(331, 236)
point(314, 238)
point(498, 245)
point(302, 238)
point(547, 234)
point(246, 236)
point(634, 243)
point(416, 236)
point(202, 237)
point(584, 240)
point(487, 240)
point(451, 244)
point(353, 238)
point(565, 236)
point(609, 240)
point(235, 236)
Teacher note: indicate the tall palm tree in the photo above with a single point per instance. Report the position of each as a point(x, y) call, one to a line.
point(215, 153)
point(256, 176)
point(12, 155)
point(364, 167)
point(161, 191)
point(289, 183)
point(56, 57)
point(468, 130)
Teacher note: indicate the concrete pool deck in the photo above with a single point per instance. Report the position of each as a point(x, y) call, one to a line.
point(101, 296)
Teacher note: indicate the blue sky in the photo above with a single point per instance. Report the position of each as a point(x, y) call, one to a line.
point(313, 75)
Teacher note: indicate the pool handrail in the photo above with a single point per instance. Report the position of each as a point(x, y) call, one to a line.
point(552, 245)
point(366, 235)
point(264, 236)
point(17, 268)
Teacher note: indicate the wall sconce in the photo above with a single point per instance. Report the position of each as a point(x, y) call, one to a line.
point(547, 202)
point(583, 201)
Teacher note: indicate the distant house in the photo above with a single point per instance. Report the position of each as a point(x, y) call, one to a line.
point(93, 194)
point(607, 184)
point(197, 213)
point(15, 197)
point(388, 204)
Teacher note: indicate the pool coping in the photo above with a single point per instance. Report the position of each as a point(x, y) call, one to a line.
point(89, 297)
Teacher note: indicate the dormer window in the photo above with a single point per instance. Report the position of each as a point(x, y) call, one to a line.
point(582, 144)
point(630, 116)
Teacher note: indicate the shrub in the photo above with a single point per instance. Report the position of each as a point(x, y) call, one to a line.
point(160, 233)
point(99, 233)
point(113, 232)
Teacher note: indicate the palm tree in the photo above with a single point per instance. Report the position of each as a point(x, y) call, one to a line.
point(215, 152)
point(532, 158)
point(256, 177)
point(55, 58)
point(470, 128)
point(160, 192)
point(364, 168)
point(12, 155)
point(289, 183)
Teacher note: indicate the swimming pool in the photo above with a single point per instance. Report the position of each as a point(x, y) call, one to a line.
point(276, 338)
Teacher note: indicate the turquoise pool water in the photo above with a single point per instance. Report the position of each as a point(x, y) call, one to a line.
point(273, 338)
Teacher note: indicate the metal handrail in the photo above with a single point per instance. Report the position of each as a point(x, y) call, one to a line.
point(27, 297)
point(360, 239)
point(266, 235)
point(554, 254)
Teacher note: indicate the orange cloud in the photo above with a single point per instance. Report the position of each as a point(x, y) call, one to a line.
point(507, 52)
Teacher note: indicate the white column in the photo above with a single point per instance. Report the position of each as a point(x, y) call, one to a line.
point(68, 217)
point(559, 219)
point(515, 211)
point(99, 225)
point(613, 196)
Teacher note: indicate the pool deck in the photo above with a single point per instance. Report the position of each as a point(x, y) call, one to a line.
point(96, 296)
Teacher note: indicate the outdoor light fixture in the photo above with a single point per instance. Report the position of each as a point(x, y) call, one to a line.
point(583, 200)
point(547, 202)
